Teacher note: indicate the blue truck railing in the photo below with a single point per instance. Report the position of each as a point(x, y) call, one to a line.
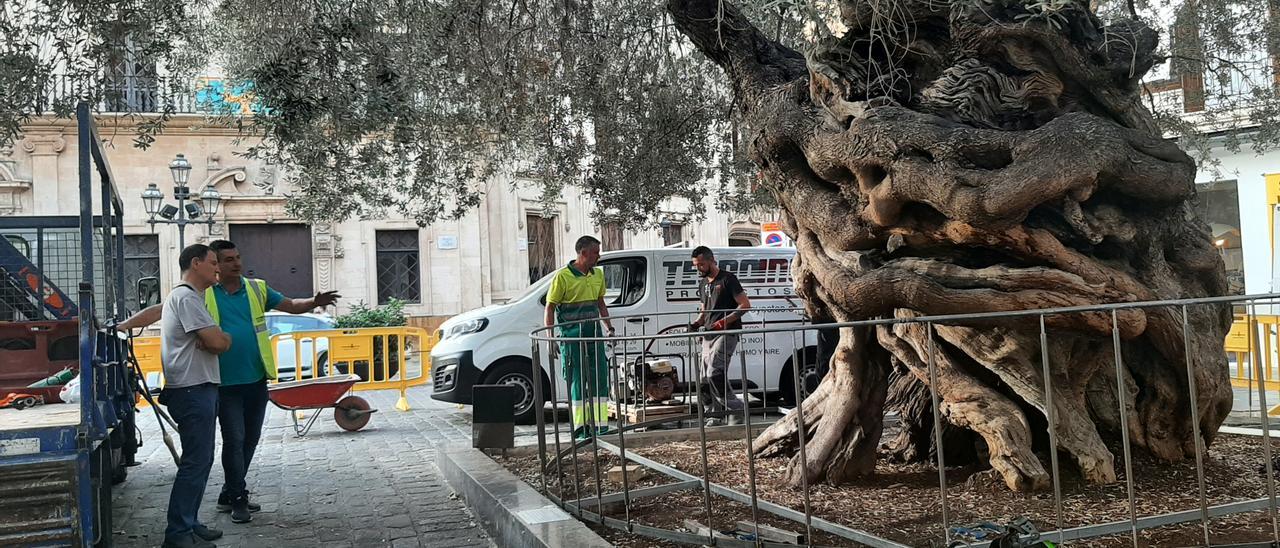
point(56, 472)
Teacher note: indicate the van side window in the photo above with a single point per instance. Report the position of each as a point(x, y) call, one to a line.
point(624, 280)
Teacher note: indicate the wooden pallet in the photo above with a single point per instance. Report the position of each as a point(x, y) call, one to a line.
point(636, 413)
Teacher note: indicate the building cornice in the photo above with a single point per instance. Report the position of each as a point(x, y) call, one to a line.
point(111, 124)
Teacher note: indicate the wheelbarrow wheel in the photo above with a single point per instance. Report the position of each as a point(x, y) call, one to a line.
point(352, 413)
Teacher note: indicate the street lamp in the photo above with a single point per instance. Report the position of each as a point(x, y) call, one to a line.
point(203, 205)
point(181, 170)
point(151, 198)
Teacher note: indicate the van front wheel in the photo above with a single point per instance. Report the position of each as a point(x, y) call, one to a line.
point(519, 374)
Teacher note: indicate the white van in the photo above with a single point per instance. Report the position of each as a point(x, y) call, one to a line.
point(491, 345)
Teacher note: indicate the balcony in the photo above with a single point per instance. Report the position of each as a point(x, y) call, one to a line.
point(155, 94)
point(1215, 102)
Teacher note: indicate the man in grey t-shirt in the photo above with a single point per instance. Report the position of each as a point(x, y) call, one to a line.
point(185, 362)
point(190, 342)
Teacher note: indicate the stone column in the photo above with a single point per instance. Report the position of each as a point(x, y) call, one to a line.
point(327, 250)
point(44, 145)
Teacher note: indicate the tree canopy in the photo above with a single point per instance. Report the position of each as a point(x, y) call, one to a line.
point(406, 105)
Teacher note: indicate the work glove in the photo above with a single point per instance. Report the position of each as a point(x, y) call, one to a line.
point(718, 326)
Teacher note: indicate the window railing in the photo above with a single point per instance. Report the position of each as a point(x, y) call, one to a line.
point(152, 94)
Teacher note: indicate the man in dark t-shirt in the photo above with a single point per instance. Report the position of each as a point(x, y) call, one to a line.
point(723, 304)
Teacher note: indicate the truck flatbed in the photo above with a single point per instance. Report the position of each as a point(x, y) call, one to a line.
point(41, 416)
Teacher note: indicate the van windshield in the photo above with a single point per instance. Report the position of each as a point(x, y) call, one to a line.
point(535, 287)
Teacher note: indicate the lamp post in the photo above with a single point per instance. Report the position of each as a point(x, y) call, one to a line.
point(203, 205)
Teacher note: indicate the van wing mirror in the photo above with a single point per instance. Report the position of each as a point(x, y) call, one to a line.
point(148, 292)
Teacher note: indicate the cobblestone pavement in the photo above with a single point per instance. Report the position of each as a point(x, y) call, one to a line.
point(375, 487)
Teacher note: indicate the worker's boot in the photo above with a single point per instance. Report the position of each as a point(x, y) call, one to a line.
point(207, 533)
point(190, 540)
point(240, 510)
point(733, 418)
point(224, 503)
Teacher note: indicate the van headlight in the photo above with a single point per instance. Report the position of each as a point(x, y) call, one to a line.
point(469, 326)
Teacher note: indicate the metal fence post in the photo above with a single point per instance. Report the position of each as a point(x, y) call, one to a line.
point(751, 456)
point(1051, 414)
point(802, 433)
point(574, 425)
point(622, 428)
point(1266, 420)
point(593, 428)
point(937, 434)
point(538, 406)
point(1124, 424)
point(1195, 423)
point(702, 437)
point(555, 412)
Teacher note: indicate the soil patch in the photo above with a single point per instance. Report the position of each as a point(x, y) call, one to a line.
point(902, 502)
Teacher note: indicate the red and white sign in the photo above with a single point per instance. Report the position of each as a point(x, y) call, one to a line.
point(771, 235)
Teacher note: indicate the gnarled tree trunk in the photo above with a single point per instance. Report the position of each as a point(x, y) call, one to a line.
point(979, 156)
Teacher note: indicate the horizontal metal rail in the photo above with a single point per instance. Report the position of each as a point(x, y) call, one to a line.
point(546, 334)
point(640, 493)
point(1159, 520)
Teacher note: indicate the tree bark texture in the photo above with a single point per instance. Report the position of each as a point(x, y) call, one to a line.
point(980, 156)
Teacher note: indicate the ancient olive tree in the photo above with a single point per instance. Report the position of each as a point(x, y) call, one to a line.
point(976, 156)
point(927, 156)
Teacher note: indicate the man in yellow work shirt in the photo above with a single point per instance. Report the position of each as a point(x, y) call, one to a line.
point(577, 296)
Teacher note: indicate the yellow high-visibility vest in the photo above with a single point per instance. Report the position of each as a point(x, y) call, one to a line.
point(258, 309)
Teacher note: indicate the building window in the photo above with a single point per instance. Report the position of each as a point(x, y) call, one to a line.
point(141, 260)
point(611, 237)
point(542, 246)
point(672, 234)
point(1219, 205)
point(130, 83)
point(399, 270)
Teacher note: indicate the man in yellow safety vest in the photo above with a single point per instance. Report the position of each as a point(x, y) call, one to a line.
point(239, 305)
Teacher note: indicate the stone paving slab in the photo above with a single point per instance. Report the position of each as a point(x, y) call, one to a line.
point(376, 487)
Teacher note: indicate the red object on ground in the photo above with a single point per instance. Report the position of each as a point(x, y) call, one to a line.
point(19, 400)
point(351, 413)
point(316, 393)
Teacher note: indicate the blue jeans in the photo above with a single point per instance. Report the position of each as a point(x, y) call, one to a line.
point(241, 410)
point(195, 409)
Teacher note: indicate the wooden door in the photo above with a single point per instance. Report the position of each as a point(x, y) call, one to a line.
point(279, 254)
point(542, 246)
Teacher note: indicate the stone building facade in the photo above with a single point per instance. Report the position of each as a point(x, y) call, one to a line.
point(488, 256)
